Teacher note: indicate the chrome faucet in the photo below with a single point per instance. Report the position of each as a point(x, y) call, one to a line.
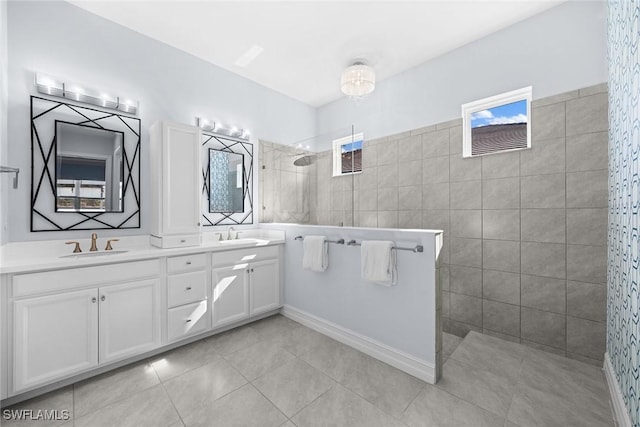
point(229, 233)
point(94, 238)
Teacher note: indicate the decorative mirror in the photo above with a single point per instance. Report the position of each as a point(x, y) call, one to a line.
point(85, 168)
point(228, 180)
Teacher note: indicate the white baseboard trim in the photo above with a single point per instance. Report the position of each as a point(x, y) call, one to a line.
point(620, 413)
point(413, 366)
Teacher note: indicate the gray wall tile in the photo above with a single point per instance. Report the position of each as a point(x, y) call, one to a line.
point(501, 286)
point(554, 99)
point(466, 195)
point(388, 219)
point(588, 114)
point(466, 223)
point(388, 153)
point(466, 309)
point(369, 155)
point(543, 225)
point(368, 219)
point(466, 252)
point(436, 219)
point(543, 191)
point(368, 199)
point(410, 219)
point(544, 259)
point(445, 304)
point(545, 156)
point(444, 277)
point(388, 175)
point(543, 327)
point(587, 152)
point(410, 148)
point(586, 338)
point(410, 173)
point(543, 293)
point(587, 263)
point(503, 224)
point(587, 189)
point(592, 90)
point(466, 280)
point(501, 255)
point(388, 199)
point(435, 196)
point(503, 193)
point(461, 169)
point(503, 165)
point(548, 122)
point(587, 301)
point(410, 198)
point(462, 329)
point(435, 169)
point(435, 144)
point(455, 140)
point(501, 317)
point(587, 226)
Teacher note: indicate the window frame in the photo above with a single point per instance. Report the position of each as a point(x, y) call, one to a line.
point(337, 152)
point(523, 94)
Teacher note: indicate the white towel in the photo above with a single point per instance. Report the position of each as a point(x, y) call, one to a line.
point(316, 253)
point(378, 262)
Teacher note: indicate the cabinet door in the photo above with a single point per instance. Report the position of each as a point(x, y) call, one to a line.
point(129, 319)
point(264, 286)
point(230, 295)
point(54, 336)
point(181, 176)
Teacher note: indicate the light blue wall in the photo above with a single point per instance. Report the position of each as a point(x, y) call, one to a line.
point(63, 40)
point(623, 296)
point(556, 51)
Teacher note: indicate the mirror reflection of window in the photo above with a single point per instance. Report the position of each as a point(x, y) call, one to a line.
point(226, 186)
point(89, 169)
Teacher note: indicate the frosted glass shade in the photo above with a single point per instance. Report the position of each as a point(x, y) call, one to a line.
point(358, 80)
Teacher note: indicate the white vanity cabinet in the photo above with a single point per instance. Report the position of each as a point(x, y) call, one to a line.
point(245, 282)
point(176, 184)
point(69, 321)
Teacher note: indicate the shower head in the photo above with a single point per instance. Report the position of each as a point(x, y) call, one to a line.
point(305, 160)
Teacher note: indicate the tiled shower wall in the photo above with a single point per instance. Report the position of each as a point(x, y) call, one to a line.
point(525, 247)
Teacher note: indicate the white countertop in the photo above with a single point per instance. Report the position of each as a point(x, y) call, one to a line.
point(22, 257)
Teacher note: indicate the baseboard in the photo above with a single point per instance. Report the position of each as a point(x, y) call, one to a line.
point(620, 413)
point(413, 366)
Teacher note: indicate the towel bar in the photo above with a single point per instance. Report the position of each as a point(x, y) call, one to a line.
point(339, 241)
point(416, 249)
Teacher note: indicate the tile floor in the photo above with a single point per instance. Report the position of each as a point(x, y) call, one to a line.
point(275, 372)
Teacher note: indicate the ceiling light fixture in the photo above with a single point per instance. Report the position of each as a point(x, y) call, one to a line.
point(358, 80)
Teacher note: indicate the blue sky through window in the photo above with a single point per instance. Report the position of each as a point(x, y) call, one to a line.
point(352, 146)
point(515, 112)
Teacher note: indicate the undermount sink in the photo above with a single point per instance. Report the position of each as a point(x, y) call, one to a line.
point(247, 241)
point(92, 254)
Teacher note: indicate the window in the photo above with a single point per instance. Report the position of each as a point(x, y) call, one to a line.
point(497, 124)
point(347, 155)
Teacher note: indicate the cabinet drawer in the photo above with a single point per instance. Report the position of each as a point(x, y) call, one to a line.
point(176, 264)
point(243, 256)
point(187, 320)
point(186, 288)
point(51, 281)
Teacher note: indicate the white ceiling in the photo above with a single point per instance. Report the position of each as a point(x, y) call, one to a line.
point(308, 43)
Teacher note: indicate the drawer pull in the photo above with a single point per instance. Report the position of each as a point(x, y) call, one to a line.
point(102, 298)
point(183, 241)
point(188, 262)
point(93, 300)
point(188, 288)
point(188, 320)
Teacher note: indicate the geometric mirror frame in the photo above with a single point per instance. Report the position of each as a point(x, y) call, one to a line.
point(44, 215)
point(226, 144)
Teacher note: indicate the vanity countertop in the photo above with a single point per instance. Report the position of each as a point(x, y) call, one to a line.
point(26, 257)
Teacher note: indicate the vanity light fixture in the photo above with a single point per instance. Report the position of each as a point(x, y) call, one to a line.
point(56, 87)
point(358, 80)
point(214, 127)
